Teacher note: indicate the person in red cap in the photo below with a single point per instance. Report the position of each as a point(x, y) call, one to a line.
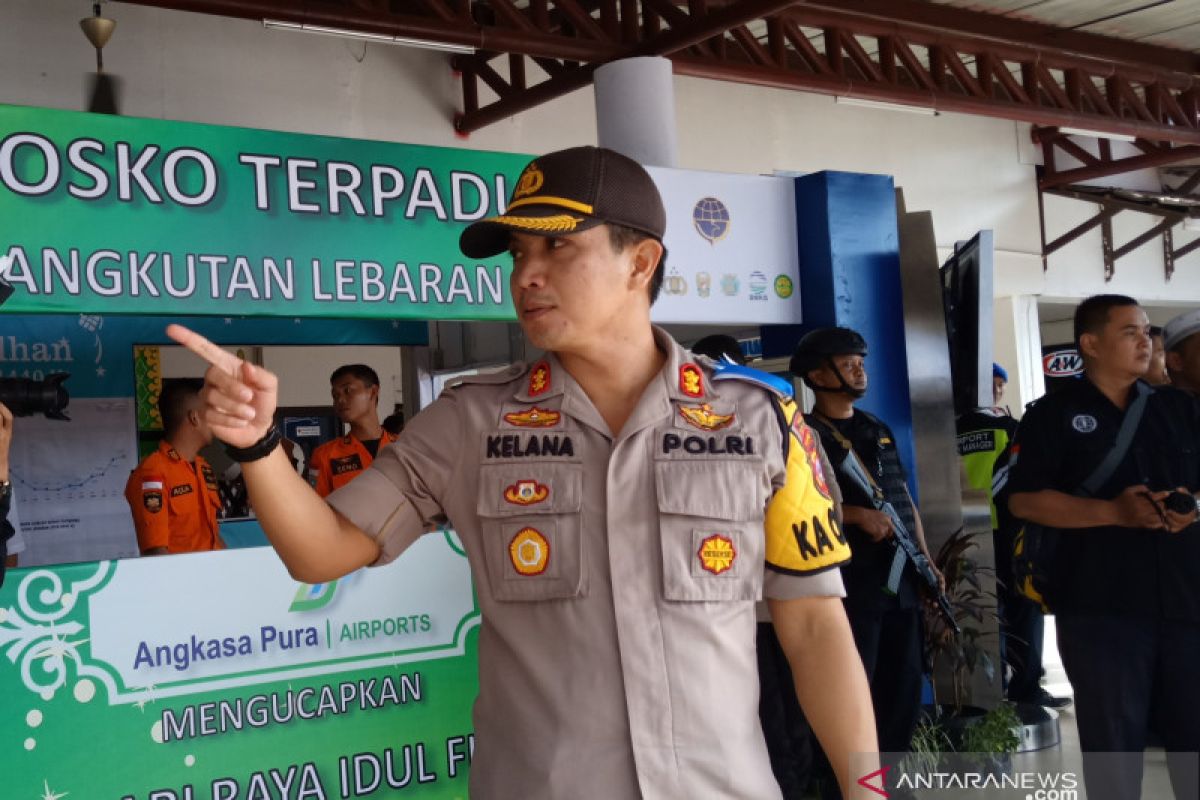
point(623, 506)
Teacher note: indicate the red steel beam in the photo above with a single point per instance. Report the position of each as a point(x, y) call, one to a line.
point(1082, 174)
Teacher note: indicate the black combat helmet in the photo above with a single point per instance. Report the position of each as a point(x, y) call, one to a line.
point(817, 349)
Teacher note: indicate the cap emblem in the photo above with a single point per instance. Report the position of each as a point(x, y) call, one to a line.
point(529, 552)
point(691, 382)
point(717, 554)
point(533, 418)
point(702, 417)
point(530, 181)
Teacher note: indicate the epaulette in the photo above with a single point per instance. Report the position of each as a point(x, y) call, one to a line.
point(725, 371)
point(494, 377)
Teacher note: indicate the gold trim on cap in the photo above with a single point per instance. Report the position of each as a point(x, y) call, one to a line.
point(549, 200)
point(557, 223)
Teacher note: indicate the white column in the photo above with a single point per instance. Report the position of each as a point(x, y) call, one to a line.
point(1017, 344)
point(635, 110)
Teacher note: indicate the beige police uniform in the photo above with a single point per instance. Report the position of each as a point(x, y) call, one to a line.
point(617, 575)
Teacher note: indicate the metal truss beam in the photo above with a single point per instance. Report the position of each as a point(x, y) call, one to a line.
point(899, 51)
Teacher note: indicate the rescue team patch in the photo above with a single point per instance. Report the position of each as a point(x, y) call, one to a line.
point(526, 493)
point(691, 381)
point(539, 379)
point(210, 479)
point(515, 445)
point(533, 418)
point(181, 489)
point(717, 554)
point(708, 445)
point(529, 552)
point(703, 417)
point(152, 500)
point(808, 440)
point(350, 463)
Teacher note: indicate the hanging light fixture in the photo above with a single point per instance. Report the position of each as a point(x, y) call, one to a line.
point(103, 88)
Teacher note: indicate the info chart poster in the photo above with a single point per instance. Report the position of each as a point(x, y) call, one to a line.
point(215, 676)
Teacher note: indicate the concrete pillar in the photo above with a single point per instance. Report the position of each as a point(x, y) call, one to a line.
point(635, 110)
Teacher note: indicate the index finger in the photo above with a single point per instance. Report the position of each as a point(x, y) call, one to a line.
point(202, 347)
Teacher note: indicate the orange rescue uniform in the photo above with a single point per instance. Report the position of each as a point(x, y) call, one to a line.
point(174, 503)
point(337, 462)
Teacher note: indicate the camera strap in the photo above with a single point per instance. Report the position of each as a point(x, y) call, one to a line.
point(1105, 469)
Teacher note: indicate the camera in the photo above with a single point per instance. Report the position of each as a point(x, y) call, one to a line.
point(1180, 503)
point(25, 396)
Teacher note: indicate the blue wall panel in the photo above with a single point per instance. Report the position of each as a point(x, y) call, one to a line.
point(850, 276)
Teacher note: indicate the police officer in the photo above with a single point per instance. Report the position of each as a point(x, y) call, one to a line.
point(1125, 578)
point(355, 390)
point(618, 502)
point(886, 619)
point(984, 437)
point(173, 492)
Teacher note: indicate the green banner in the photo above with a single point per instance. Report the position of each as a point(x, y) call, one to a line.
point(104, 214)
point(215, 677)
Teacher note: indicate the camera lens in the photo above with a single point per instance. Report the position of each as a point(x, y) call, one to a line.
point(1180, 503)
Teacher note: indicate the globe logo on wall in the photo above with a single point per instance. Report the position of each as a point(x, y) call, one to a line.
point(711, 218)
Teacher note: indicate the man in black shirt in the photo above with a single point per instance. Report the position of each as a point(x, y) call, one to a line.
point(1125, 577)
point(885, 619)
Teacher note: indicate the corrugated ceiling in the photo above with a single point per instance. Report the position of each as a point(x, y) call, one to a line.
point(1166, 23)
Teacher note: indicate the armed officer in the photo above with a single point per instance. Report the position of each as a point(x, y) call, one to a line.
point(884, 608)
point(618, 501)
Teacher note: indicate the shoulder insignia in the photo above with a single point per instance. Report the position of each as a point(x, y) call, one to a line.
point(724, 371)
point(691, 380)
point(539, 379)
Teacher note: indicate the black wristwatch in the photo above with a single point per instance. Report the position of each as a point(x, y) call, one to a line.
point(260, 449)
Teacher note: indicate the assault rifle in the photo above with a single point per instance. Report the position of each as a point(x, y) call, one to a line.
point(907, 549)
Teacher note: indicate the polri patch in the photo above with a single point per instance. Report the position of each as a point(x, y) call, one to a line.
point(533, 418)
point(526, 493)
point(529, 552)
point(539, 379)
point(717, 554)
point(704, 418)
point(691, 380)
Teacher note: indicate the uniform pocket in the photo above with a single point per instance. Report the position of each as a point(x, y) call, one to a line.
point(711, 529)
point(531, 530)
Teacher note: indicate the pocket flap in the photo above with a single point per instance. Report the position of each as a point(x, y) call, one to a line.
point(507, 490)
point(732, 490)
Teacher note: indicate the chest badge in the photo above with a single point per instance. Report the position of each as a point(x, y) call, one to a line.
point(1084, 423)
point(533, 418)
point(539, 379)
point(691, 381)
point(717, 554)
point(704, 418)
point(526, 493)
point(529, 552)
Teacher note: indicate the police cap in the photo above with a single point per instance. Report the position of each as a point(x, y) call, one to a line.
point(823, 343)
point(570, 191)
